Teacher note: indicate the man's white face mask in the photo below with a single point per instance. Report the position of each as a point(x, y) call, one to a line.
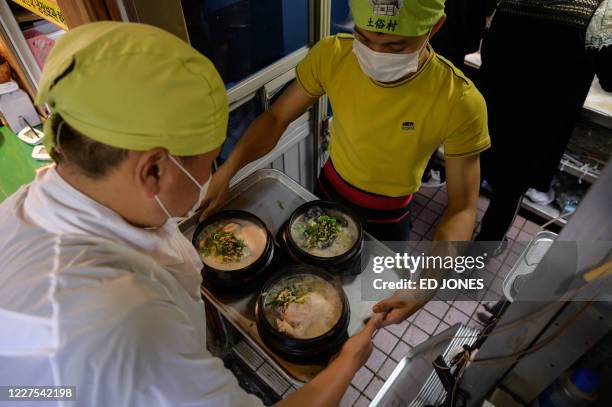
point(386, 67)
point(202, 194)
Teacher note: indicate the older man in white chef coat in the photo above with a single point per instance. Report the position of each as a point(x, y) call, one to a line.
point(98, 288)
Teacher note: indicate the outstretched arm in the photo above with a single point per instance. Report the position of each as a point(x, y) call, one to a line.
point(259, 139)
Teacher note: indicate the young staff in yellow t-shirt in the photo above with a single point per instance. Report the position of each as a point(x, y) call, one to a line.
point(394, 102)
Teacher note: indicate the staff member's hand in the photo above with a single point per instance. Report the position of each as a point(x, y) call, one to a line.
point(327, 388)
point(218, 192)
point(357, 349)
point(398, 307)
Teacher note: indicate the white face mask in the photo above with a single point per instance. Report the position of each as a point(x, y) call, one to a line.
point(386, 67)
point(203, 189)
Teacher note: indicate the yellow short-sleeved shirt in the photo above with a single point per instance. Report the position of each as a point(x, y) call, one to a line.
point(383, 134)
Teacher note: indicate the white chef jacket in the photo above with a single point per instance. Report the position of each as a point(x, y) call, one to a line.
point(88, 300)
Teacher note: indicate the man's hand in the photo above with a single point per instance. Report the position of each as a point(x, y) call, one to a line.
point(357, 349)
point(327, 388)
point(398, 307)
point(218, 192)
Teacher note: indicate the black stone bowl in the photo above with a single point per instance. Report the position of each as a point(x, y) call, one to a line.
point(239, 278)
point(311, 351)
point(347, 263)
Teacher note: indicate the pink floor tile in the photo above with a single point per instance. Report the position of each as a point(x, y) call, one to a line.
point(465, 305)
point(415, 209)
point(428, 192)
point(349, 398)
point(415, 236)
point(511, 258)
point(497, 285)
point(441, 197)
point(420, 199)
point(524, 237)
point(441, 328)
point(373, 388)
point(479, 215)
point(398, 329)
point(401, 350)
point(362, 401)
point(426, 322)
point(437, 308)
point(504, 270)
point(362, 378)
point(531, 228)
point(436, 207)
point(385, 341)
point(414, 336)
point(387, 368)
point(454, 316)
point(420, 227)
point(483, 203)
point(513, 232)
point(428, 216)
point(377, 358)
point(519, 221)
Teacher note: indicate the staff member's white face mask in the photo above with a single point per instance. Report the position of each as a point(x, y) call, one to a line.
point(386, 67)
point(202, 194)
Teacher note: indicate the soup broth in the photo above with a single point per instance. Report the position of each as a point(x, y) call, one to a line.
point(324, 233)
point(303, 306)
point(231, 244)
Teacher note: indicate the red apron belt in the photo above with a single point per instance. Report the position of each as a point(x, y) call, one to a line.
point(375, 208)
point(362, 198)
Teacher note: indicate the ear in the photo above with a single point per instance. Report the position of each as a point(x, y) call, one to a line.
point(149, 168)
point(437, 26)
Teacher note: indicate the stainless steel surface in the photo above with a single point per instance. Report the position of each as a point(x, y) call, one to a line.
point(527, 377)
point(257, 80)
point(273, 196)
point(413, 382)
point(527, 262)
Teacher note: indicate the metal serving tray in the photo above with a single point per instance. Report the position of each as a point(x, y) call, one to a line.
point(273, 196)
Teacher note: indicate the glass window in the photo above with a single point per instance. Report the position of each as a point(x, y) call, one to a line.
point(243, 36)
point(341, 22)
point(239, 120)
point(342, 19)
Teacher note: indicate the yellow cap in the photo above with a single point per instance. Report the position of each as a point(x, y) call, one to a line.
point(400, 17)
point(136, 87)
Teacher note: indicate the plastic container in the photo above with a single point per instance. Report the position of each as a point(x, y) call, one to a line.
point(575, 388)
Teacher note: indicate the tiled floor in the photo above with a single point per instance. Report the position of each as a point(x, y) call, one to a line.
point(392, 343)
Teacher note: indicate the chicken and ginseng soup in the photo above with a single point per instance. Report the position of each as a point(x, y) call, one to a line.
point(232, 244)
point(324, 233)
point(303, 306)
